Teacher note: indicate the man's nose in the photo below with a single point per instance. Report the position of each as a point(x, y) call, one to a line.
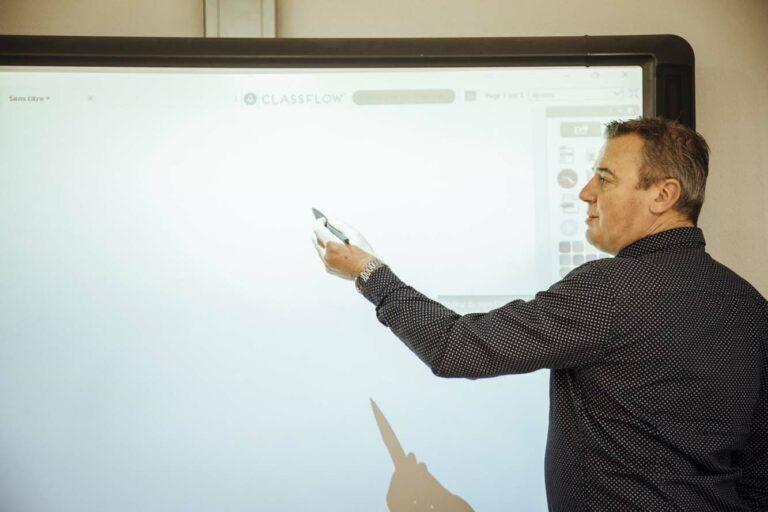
point(587, 194)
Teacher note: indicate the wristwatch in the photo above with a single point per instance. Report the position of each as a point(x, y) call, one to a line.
point(363, 276)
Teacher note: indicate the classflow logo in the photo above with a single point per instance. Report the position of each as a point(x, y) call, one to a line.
point(280, 99)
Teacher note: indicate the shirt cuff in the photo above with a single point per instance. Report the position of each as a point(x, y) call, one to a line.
point(381, 283)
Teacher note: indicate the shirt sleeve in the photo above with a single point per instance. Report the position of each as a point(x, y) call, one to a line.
point(567, 325)
point(753, 484)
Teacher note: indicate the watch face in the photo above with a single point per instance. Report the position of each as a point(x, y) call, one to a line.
point(370, 268)
point(362, 278)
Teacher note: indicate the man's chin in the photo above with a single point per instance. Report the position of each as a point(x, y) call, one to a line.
point(590, 236)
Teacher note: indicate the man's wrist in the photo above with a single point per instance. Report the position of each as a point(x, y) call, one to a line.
point(366, 273)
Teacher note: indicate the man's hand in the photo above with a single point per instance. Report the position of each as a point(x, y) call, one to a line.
point(340, 259)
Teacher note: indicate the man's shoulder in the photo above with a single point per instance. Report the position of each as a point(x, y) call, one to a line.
point(643, 275)
point(727, 277)
point(618, 270)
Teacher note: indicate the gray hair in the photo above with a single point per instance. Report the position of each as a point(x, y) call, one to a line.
point(670, 150)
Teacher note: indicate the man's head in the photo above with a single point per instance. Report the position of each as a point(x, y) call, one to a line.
point(649, 177)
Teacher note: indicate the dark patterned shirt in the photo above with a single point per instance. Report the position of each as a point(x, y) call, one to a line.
point(659, 376)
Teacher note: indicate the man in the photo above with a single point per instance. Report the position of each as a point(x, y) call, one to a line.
point(659, 381)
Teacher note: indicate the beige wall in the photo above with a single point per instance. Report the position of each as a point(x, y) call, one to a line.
point(730, 38)
point(170, 18)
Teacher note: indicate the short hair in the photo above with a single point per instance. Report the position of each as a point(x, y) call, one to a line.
point(670, 150)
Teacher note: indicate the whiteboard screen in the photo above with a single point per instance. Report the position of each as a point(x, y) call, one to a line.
point(169, 339)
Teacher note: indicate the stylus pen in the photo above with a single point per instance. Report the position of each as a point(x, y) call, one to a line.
point(337, 232)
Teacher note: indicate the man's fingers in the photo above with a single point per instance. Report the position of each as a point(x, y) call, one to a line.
point(338, 258)
point(320, 250)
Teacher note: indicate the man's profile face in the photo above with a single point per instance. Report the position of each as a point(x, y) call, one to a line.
point(618, 211)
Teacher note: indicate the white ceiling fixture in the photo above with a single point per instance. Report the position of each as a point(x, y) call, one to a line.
point(240, 18)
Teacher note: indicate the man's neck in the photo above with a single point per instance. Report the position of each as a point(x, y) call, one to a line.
point(659, 225)
point(671, 222)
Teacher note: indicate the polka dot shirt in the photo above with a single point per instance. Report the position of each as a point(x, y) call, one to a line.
point(658, 379)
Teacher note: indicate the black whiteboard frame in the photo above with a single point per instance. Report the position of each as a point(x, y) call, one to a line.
point(667, 60)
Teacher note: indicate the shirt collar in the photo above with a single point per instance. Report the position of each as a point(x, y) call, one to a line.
point(688, 236)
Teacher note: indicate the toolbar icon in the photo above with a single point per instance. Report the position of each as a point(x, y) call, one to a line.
point(567, 178)
point(569, 204)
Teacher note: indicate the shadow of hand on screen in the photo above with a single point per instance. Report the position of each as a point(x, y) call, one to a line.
point(414, 489)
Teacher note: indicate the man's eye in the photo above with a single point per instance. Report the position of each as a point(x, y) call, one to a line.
point(602, 179)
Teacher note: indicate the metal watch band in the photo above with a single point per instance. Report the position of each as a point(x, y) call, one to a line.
point(366, 273)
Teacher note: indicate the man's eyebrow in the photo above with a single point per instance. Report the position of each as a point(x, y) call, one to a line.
point(605, 169)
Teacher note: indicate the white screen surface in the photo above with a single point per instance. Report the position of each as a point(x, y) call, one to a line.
point(170, 339)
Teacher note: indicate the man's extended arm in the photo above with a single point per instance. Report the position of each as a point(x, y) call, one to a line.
point(567, 325)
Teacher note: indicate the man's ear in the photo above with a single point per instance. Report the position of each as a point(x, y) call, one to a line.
point(668, 192)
